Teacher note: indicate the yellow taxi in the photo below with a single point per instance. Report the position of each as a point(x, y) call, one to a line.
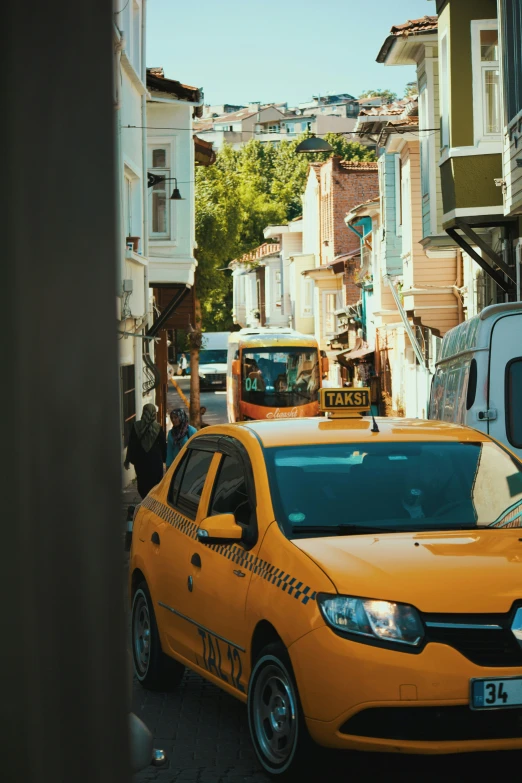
point(357, 582)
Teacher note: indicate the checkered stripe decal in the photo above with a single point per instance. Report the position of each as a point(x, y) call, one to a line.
point(275, 576)
point(173, 518)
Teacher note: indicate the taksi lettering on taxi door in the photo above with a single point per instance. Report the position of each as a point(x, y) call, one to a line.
point(214, 660)
point(345, 398)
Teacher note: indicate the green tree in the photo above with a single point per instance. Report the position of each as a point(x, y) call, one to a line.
point(411, 90)
point(291, 168)
point(245, 191)
point(387, 94)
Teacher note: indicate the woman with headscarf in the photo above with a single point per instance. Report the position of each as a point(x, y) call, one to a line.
point(147, 450)
point(179, 434)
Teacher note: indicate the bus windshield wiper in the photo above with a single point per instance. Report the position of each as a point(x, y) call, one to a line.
point(295, 391)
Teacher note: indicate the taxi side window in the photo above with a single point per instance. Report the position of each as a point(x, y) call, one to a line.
point(230, 494)
point(188, 482)
point(176, 479)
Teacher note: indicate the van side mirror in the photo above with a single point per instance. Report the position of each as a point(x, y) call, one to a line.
point(236, 367)
point(220, 529)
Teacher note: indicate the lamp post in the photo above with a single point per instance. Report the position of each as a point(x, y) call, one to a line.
point(313, 144)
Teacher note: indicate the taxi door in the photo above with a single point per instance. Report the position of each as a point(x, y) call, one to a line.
point(173, 545)
point(221, 574)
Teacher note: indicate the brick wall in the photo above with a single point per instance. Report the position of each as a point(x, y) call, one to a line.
point(352, 292)
point(344, 185)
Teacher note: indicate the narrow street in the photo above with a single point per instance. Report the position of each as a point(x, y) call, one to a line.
point(215, 402)
point(205, 735)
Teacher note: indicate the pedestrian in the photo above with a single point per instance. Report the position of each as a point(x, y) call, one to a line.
point(202, 412)
point(183, 364)
point(147, 450)
point(179, 434)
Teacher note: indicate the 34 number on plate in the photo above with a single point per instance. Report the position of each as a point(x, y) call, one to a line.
point(497, 693)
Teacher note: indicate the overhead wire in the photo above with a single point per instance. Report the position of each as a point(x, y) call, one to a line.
point(122, 9)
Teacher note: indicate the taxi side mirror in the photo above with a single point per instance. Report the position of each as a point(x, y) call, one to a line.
point(325, 364)
point(236, 367)
point(221, 528)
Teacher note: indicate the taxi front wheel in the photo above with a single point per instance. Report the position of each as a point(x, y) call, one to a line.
point(275, 717)
point(154, 670)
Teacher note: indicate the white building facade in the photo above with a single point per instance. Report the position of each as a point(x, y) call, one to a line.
point(156, 233)
point(133, 305)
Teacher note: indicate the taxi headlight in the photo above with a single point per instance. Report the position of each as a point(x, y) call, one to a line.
point(202, 375)
point(383, 620)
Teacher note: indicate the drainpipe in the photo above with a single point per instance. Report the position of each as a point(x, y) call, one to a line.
point(413, 340)
point(118, 48)
point(409, 331)
point(146, 345)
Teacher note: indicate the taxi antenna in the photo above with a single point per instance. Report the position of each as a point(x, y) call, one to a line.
point(374, 428)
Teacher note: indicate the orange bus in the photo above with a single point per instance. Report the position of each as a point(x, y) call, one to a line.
point(273, 373)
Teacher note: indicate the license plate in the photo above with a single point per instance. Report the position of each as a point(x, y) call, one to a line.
point(494, 694)
point(216, 382)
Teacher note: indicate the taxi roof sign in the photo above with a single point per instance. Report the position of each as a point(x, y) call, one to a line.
point(344, 403)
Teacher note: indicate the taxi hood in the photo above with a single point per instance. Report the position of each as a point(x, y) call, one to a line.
point(457, 571)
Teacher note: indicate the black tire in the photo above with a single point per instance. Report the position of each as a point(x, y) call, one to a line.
point(282, 743)
point(153, 669)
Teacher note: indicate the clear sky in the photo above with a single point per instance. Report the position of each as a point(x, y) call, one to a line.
point(242, 51)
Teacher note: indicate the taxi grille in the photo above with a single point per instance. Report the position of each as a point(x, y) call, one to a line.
point(434, 724)
point(486, 640)
point(485, 648)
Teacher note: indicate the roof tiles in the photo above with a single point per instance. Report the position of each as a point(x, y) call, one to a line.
point(423, 25)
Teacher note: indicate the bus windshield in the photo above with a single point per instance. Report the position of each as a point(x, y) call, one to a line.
point(280, 377)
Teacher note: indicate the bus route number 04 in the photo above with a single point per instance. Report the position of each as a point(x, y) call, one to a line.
point(250, 385)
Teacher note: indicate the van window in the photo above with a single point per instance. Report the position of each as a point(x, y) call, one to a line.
point(472, 385)
point(437, 395)
point(513, 402)
point(460, 416)
point(450, 399)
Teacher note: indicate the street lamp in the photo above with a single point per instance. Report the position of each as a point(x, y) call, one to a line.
point(313, 144)
point(155, 179)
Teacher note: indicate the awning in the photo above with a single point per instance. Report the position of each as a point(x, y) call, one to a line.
point(204, 154)
point(496, 267)
point(338, 265)
point(355, 353)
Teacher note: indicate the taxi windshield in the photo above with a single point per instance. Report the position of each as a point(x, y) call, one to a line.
point(280, 377)
point(335, 489)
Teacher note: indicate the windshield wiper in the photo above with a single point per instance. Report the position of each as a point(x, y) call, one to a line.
point(348, 529)
point(345, 529)
point(295, 391)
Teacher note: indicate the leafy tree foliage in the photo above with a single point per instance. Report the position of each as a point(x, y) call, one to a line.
point(245, 191)
point(411, 90)
point(388, 94)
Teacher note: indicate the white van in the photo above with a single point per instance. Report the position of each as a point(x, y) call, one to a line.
point(213, 361)
point(478, 377)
